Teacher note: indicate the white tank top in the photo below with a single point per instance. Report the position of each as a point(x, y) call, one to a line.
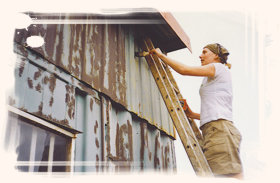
point(216, 95)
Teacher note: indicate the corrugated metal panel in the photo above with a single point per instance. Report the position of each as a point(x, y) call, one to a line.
point(41, 93)
point(91, 53)
point(129, 143)
point(103, 57)
point(143, 96)
point(110, 133)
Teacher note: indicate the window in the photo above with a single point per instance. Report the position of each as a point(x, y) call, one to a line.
point(40, 146)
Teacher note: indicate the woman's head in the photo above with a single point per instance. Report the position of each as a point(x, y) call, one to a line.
point(214, 53)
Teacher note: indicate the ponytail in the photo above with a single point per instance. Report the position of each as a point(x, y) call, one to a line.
point(228, 65)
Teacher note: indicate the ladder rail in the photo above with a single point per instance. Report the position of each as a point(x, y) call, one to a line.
point(191, 121)
point(177, 114)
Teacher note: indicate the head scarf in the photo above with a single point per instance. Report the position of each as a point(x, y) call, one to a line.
point(219, 50)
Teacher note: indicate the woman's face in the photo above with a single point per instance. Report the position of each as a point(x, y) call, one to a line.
point(208, 57)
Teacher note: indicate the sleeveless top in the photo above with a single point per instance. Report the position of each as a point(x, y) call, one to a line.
point(216, 95)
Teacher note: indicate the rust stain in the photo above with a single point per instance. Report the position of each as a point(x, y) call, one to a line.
point(23, 51)
point(70, 100)
point(90, 39)
point(21, 67)
point(144, 144)
point(97, 163)
point(95, 127)
point(117, 141)
point(150, 155)
point(50, 39)
point(71, 108)
point(86, 89)
point(162, 157)
point(77, 44)
point(59, 47)
point(70, 47)
point(142, 148)
point(52, 82)
point(166, 159)
point(107, 125)
point(51, 102)
point(91, 104)
point(67, 98)
point(64, 122)
point(36, 29)
point(97, 142)
point(37, 74)
point(30, 83)
point(121, 63)
point(122, 145)
point(46, 80)
point(40, 108)
point(130, 140)
point(157, 146)
point(38, 87)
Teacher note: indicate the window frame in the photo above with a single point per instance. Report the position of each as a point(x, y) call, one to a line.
point(46, 126)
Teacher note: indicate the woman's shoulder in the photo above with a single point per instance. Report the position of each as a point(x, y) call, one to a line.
point(220, 68)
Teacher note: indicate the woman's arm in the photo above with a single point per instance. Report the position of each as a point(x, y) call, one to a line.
point(189, 113)
point(194, 116)
point(207, 70)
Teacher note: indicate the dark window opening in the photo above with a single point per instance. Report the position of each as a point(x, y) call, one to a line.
point(38, 148)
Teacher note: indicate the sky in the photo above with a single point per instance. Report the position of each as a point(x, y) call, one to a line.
point(248, 29)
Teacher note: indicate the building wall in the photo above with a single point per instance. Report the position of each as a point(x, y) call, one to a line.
point(102, 56)
point(86, 79)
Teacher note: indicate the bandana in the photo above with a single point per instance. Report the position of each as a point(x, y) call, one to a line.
point(218, 50)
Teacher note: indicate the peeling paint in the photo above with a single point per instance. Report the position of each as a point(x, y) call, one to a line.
point(21, 67)
point(51, 102)
point(30, 83)
point(37, 74)
point(52, 83)
point(97, 143)
point(157, 147)
point(94, 58)
point(91, 104)
point(95, 127)
point(38, 87)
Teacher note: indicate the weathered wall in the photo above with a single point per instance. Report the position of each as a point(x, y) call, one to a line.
point(102, 56)
point(86, 78)
point(110, 133)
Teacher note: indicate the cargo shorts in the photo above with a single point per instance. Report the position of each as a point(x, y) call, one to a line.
point(220, 146)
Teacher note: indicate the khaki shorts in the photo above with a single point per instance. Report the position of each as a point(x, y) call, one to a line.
point(221, 147)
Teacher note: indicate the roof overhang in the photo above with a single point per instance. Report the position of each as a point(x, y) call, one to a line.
point(161, 27)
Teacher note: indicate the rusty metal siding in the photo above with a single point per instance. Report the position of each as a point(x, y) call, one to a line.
point(143, 96)
point(129, 143)
point(110, 133)
point(103, 57)
point(91, 53)
point(89, 143)
point(42, 93)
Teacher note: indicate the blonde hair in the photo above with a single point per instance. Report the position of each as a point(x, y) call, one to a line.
point(228, 65)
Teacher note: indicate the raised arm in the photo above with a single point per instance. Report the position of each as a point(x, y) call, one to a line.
point(206, 70)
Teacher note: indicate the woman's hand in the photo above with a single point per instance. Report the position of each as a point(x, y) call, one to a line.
point(156, 51)
point(190, 114)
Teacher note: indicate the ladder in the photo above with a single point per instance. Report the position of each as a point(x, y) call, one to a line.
point(186, 128)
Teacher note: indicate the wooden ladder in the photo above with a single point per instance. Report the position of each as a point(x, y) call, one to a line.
point(186, 128)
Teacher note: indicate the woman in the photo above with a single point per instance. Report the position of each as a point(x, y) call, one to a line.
point(221, 139)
